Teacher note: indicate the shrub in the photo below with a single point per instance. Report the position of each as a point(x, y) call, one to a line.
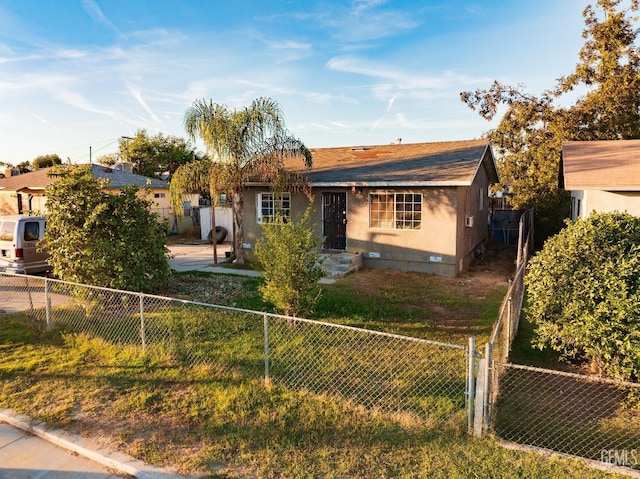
point(288, 256)
point(584, 293)
point(103, 239)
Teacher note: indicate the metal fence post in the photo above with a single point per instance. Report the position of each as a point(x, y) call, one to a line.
point(47, 303)
point(143, 333)
point(487, 383)
point(267, 379)
point(471, 382)
point(508, 345)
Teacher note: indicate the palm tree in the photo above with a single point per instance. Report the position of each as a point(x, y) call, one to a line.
point(244, 145)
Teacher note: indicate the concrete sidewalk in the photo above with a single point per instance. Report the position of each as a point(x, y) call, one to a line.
point(199, 257)
point(30, 450)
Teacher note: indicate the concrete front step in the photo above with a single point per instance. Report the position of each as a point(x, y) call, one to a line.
point(339, 264)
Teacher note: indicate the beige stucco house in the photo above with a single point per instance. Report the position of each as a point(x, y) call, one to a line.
point(25, 193)
point(602, 176)
point(415, 207)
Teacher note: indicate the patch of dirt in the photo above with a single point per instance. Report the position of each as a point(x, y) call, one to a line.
point(223, 290)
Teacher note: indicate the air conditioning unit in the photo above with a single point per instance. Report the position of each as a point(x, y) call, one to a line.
point(468, 221)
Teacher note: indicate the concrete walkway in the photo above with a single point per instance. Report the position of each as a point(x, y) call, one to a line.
point(31, 450)
point(199, 257)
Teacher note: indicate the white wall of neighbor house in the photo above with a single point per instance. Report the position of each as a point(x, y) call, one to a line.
point(224, 218)
point(585, 202)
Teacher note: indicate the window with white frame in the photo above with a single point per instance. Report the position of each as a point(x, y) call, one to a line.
point(401, 211)
point(271, 203)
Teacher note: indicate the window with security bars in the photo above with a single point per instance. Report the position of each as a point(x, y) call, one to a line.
point(271, 203)
point(401, 211)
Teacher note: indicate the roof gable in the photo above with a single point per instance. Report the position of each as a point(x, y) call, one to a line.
point(608, 165)
point(453, 163)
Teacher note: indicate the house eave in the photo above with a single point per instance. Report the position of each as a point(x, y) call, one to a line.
point(618, 188)
point(378, 184)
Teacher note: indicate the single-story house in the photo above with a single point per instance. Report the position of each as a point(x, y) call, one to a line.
point(25, 193)
point(414, 207)
point(602, 176)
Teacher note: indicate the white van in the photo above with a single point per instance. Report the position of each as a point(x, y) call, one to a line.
point(19, 235)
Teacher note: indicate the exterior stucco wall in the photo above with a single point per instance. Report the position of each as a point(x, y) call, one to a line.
point(35, 202)
point(32, 202)
point(607, 201)
point(8, 203)
point(472, 238)
point(430, 249)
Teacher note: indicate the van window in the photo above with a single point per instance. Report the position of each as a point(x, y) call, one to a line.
point(31, 231)
point(6, 230)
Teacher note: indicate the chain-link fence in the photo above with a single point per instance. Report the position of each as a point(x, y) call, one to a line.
point(377, 370)
point(385, 371)
point(506, 326)
point(575, 414)
point(584, 416)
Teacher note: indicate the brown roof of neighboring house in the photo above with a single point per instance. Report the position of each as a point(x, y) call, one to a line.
point(609, 165)
point(38, 180)
point(35, 180)
point(448, 163)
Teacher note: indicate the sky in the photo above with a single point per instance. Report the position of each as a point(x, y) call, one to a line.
point(77, 75)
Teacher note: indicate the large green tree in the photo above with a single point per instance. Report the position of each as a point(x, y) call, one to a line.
point(45, 161)
point(244, 145)
point(103, 239)
point(583, 292)
point(152, 156)
point(530, 133)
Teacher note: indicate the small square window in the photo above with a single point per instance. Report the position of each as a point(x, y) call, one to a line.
point(395, 210)
point(270, 204)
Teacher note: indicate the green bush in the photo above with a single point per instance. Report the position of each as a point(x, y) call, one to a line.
point(584, 293)
point(288, 257)
point(103, 239)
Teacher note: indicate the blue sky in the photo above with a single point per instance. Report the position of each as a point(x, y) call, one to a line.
point(81, 73)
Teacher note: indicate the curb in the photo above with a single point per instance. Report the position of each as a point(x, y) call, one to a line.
point(87, 447)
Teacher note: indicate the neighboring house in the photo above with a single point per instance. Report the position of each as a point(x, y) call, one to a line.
point(25, 193)
point(414, 207)
point(602, 176)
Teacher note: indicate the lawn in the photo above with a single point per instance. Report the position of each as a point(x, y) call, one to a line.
point(224, 422)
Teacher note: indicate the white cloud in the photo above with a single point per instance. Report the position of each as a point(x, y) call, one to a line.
point(361, 6)
point(94, 11)
point(362, 66)
point(136, 92)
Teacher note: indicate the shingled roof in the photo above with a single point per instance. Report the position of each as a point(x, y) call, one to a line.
point(450, 163)
point(35, 180)
point(38, 180)
point(609, 165)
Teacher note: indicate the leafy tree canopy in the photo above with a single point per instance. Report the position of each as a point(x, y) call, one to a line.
point(583, 290)
point(153, 156)
point(24, 167)
point(530, 133)
point(45, 161)
point(247, 144)
point(103, 239)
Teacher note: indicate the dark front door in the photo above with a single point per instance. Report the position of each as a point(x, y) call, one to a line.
point(335, 220)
